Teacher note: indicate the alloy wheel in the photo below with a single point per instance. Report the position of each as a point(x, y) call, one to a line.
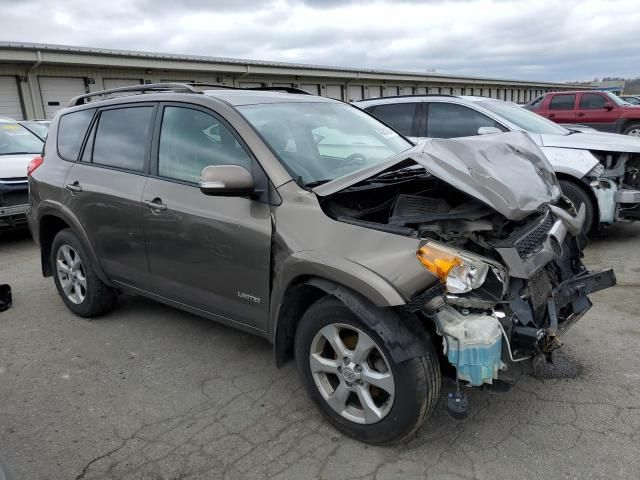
point(634, 132)
point(351, 373)
point(71, 274)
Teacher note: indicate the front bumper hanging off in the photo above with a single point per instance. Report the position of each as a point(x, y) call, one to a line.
point(571, 294)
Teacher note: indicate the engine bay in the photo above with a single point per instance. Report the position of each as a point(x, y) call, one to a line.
point(410, 201)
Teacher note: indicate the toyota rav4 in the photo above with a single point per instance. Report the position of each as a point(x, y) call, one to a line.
point(306, 221)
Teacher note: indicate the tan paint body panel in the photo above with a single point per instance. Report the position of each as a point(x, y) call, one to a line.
point(380, 265)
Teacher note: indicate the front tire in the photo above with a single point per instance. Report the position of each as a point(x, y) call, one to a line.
point(80, 288)
point(349, 373)
point(632, 130)
point(578, 197)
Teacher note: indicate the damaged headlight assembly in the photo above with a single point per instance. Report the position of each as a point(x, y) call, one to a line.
point(459, 271)
point(472, 339)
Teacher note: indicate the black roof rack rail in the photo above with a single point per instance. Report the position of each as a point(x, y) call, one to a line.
point(409, 96)
point(260, 89)
point(151, 87)
point(177, 88)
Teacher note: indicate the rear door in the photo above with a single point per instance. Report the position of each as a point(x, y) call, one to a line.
point(562, 108)
point(208, 252)
point(104, 190)
point(598, 111)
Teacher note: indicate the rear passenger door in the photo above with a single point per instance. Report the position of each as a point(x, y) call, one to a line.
point(104, 190)
point(562, 108)
point(211, 253)
point(450, 120)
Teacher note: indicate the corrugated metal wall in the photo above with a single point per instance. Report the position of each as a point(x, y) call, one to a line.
point(23, 95)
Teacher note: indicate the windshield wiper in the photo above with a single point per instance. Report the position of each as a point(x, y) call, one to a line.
point(316, 183)
point(408, 171)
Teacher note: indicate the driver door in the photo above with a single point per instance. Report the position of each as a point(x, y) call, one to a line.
point(211, 253)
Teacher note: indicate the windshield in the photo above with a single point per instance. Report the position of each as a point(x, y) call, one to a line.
point(318, 142)
point(523, 118)
point(616, 99)
point(15, 139)
point(40, 129)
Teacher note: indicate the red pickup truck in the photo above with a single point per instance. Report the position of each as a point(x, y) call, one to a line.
point(600, 110)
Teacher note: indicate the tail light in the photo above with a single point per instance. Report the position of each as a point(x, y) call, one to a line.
point(33, 164)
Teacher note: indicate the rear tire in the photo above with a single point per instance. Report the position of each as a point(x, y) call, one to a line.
point(578, 196)
point(80, 288)
point(632, 130)
point(396, 408)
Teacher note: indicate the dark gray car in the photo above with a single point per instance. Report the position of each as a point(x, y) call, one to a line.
point(308, 222)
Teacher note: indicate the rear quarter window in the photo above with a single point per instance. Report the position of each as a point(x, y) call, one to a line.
point(71, 131)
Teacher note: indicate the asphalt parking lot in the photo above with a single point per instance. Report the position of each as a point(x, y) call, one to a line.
point(151, 392)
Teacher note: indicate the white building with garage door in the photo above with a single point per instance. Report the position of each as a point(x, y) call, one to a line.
point(36, 80)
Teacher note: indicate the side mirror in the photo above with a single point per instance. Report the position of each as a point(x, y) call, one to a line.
point(608, 106)
point(488, 130)
point(226, 180)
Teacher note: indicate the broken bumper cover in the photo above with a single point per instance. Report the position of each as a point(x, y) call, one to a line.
point(571, 294)
point(576, 289)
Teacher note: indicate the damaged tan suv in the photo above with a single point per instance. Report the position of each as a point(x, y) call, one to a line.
point(373, 263)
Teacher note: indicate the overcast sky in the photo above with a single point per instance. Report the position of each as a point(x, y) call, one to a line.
point(521, 39)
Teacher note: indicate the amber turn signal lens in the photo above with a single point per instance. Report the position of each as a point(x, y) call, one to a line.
point(438, 261)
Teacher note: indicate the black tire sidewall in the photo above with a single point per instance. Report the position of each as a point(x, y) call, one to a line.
point(578, 196)
point(628, 128)
point(97, 296)
point(408, 410)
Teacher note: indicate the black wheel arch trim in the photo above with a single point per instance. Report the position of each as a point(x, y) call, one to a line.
point(402, 332)
point(56, 209)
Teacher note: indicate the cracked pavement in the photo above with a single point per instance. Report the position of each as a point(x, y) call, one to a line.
point(150, 392)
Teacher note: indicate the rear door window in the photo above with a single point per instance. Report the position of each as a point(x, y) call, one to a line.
point(71, 131)
point(592, 101)
point(400, 116)
point(562, 102)
point(448, 120)
point(122, 137)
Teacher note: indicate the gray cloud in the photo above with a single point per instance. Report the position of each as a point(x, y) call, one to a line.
point(546, 39)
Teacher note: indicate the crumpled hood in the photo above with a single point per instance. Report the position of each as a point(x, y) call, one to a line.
point(506, 171)
point(15, 166)
point(610, 142)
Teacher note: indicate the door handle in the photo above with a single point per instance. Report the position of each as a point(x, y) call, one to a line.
point(580, 114)
point(73, 187)
point(155, 204)
point(551, 115)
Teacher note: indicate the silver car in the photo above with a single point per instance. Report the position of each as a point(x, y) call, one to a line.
point(599, 170)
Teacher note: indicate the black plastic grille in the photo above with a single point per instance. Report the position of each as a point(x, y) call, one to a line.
point(12, 199)
point(532, 241)
point(540, 288)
